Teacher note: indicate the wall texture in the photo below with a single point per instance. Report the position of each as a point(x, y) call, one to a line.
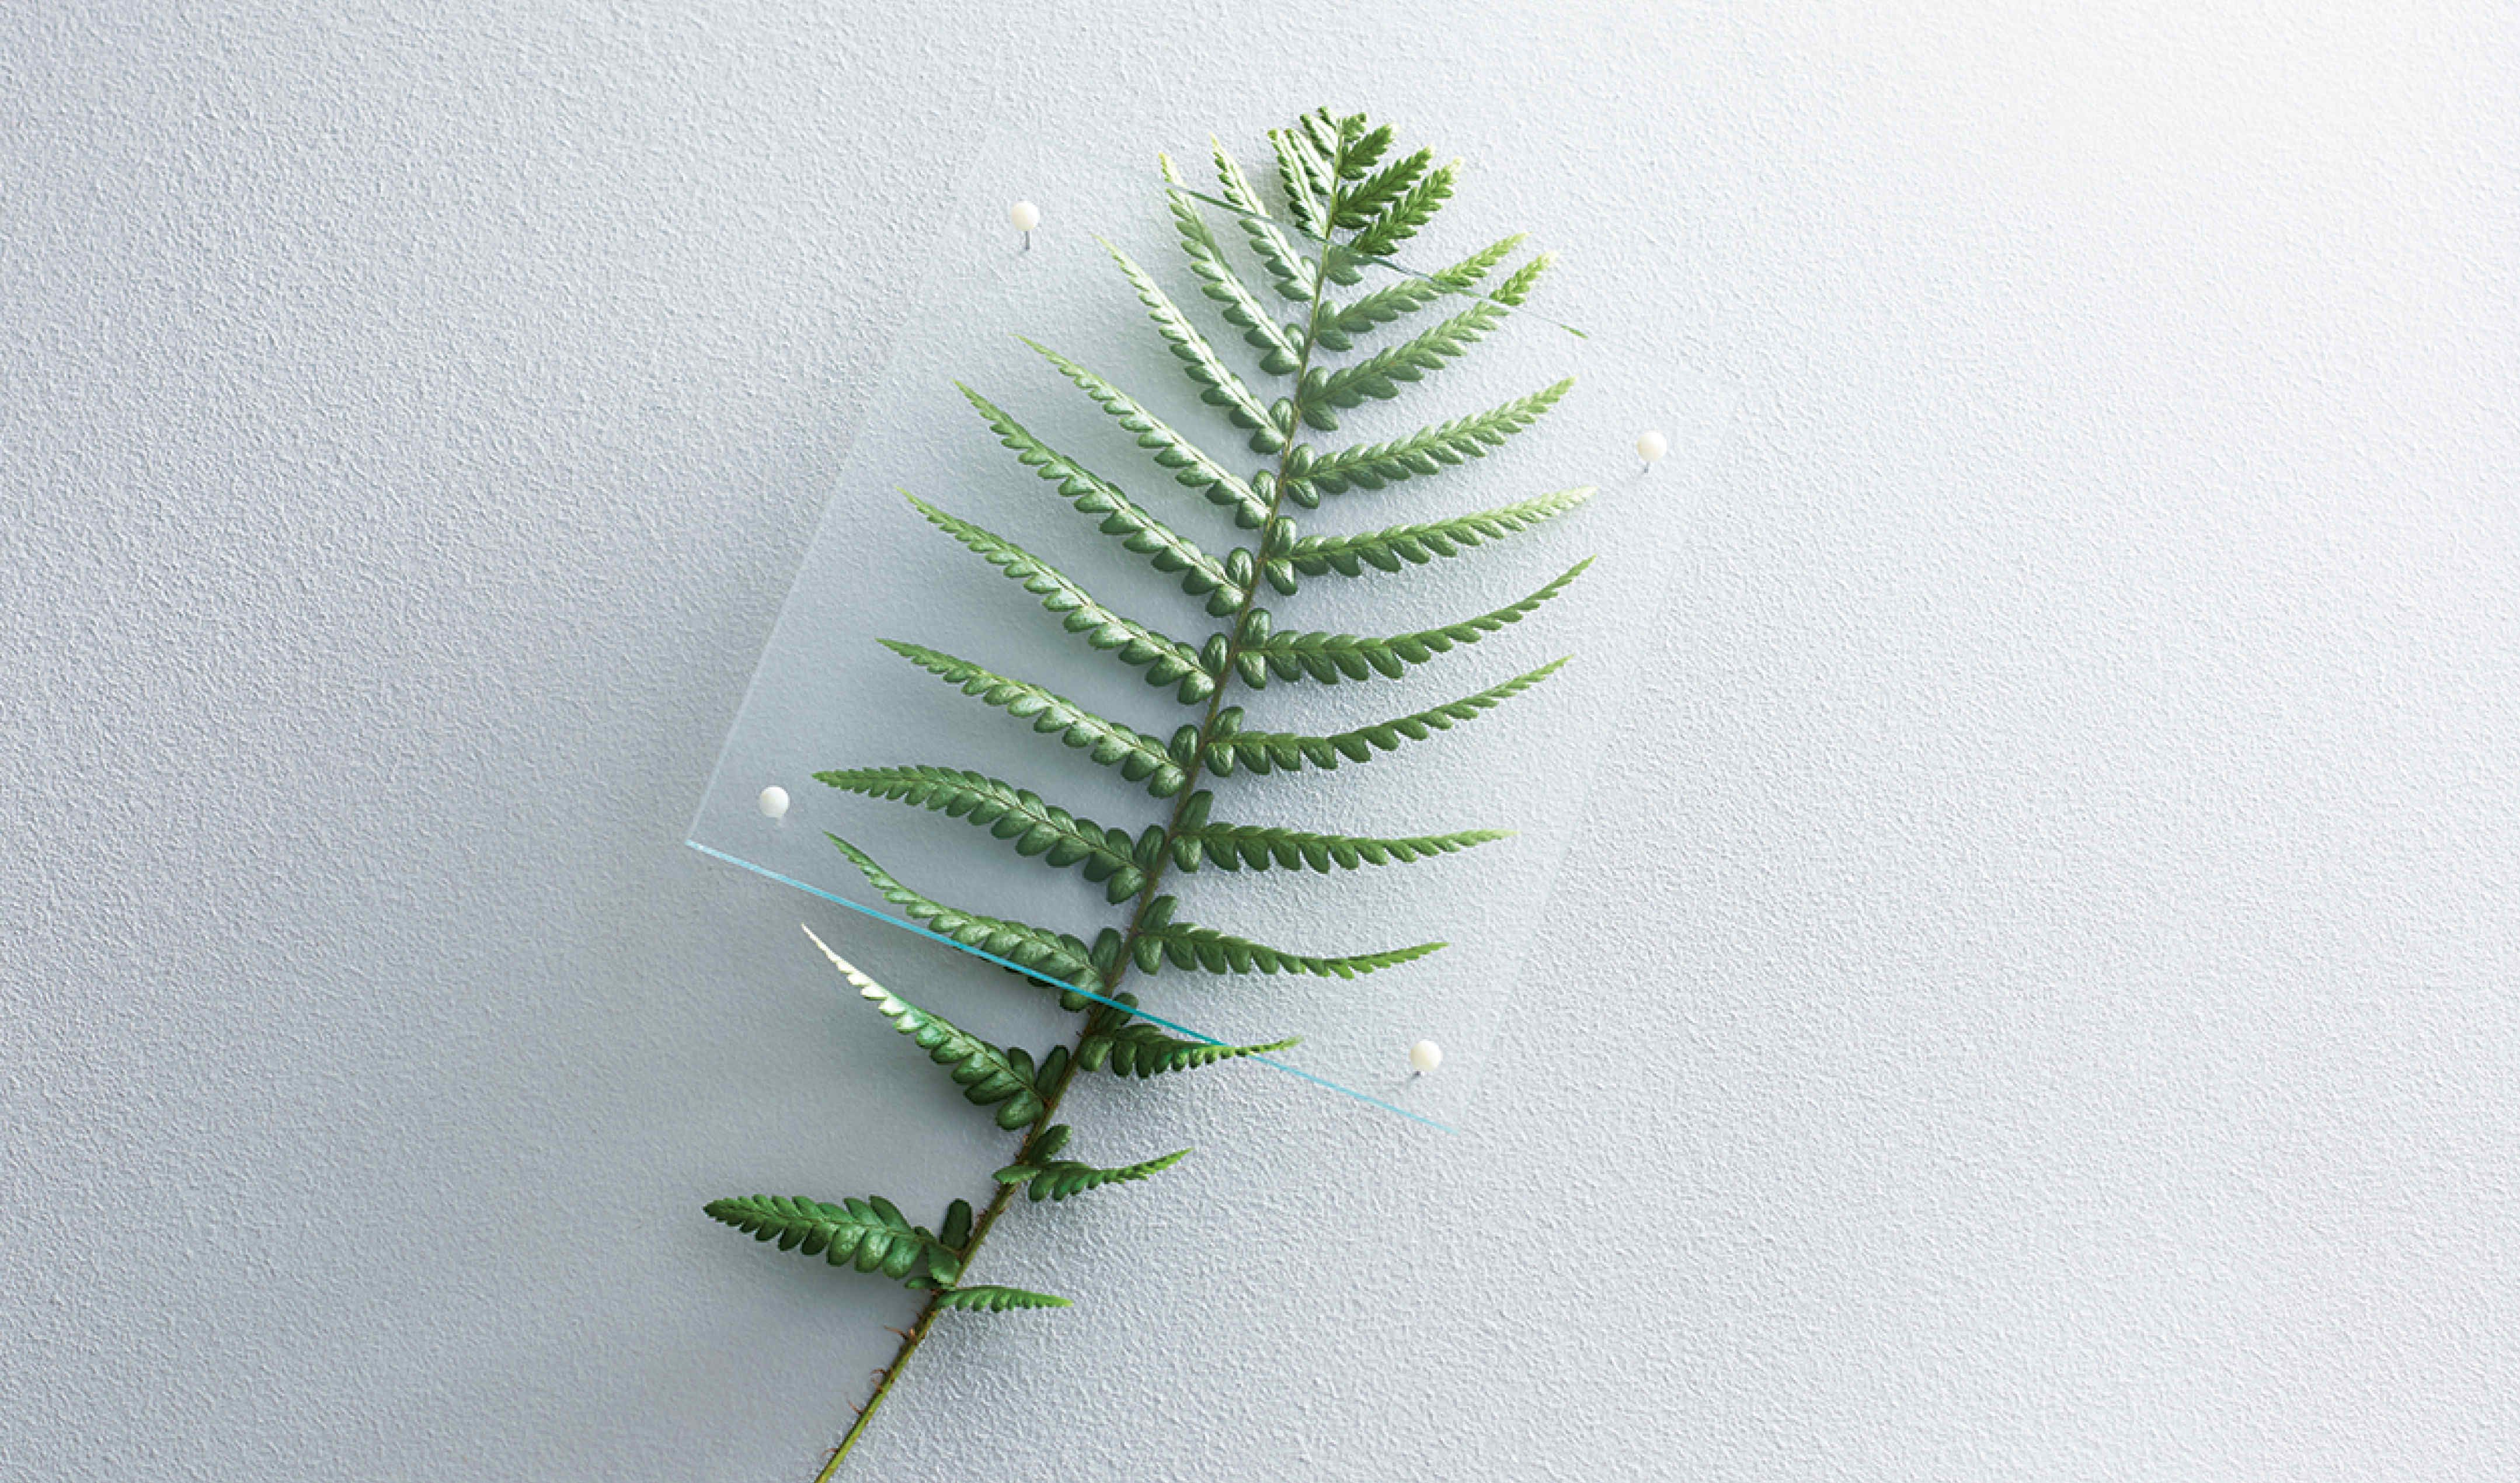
point(2067, 882)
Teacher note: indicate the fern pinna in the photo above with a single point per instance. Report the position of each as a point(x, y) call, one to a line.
point(1350, 200)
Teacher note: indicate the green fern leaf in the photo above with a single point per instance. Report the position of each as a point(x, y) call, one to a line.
point(1330, 658)
point(1191, 467)
point(1139, 1048)
point(1277, 256)
point(1165, 659)
point(1387, 549)
point(1259, 847)
point(1013, 814)
point(1161, 940)
point(1305, 178)
point(1261, 751)
point(988, 1299)
point(988, 1075)
point(870, 1233)
point(1058, 1178)
point(1140, 757)
point(1429, 450)
point(1406, 294)
point(1056, 953)
point(1196, 947)
point(1358, 206)
point(1413, 210)
point(1363, 149)
point(1202, 574)
point(1218, 385)
point(1381, 375)
point(1216, 274)
point(1515, 290)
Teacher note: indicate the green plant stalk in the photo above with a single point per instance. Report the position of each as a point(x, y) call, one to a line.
point(997, 1206)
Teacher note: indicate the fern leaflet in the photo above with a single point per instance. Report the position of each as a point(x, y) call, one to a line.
point(1140, 757)
point(1429, 450)
point(1013, 814)
point(1218, 385)
point(1191, 467)
point(1132, 642)
point(1413, 210)
point(1386, 549)
point(1260, 752)
point(1277, 256)
point(1053, 952)
point(872, 1233)
point(1058, 1178)
point(1408, 294)
point(1216, 274)
point(1141, 1050)
point(1330, 658)
point(1202, 575)
point(983, 1298)
point(1257, 847)
point(988, 1075)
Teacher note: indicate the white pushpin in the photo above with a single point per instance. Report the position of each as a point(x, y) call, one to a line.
point(1026, 217)
point(774, 802)
point(1651, 447)
point(1424, 1056)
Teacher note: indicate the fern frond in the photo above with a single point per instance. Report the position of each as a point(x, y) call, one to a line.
point(1386, 550)
point(1196, 947)
point(1056, 953)
point(1202, 574)
point(1141, 759)
point(1236, 302)
point(1260, 847)
point(1218, 385)
point(1165, 659)
point(1413, 210)
point(1260, 752)
point(871, 1234)
point(1358, 206)
point(1060, 1178)
point(1329, 137)
point(1160, 940)
point(1381, 375)
point(1191, 466)
point(1277, 256)
point(1305, 179)
point(1407, 293)
point(1364, 148)
point(1139, 1048)
point(1330, 658)
point(991, 1299)
point(989, 1076)
point(1517, 288)
point(1429, 450)
point(1013, 814)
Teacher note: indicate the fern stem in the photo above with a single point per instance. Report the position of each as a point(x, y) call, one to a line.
point(1057, 1090)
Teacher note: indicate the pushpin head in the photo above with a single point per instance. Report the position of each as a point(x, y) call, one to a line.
point(1424, 1056)
point(774, 802)
point(1652, 446)
point(1024, 214)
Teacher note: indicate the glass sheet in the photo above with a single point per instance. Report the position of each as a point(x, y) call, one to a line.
point(829, 695)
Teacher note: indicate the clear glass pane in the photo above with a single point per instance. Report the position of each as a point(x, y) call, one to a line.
point(829, 695)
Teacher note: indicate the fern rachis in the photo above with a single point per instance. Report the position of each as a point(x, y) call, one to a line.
point(1349, 204)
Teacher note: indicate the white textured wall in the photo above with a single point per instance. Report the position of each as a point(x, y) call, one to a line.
point(2058, 922)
